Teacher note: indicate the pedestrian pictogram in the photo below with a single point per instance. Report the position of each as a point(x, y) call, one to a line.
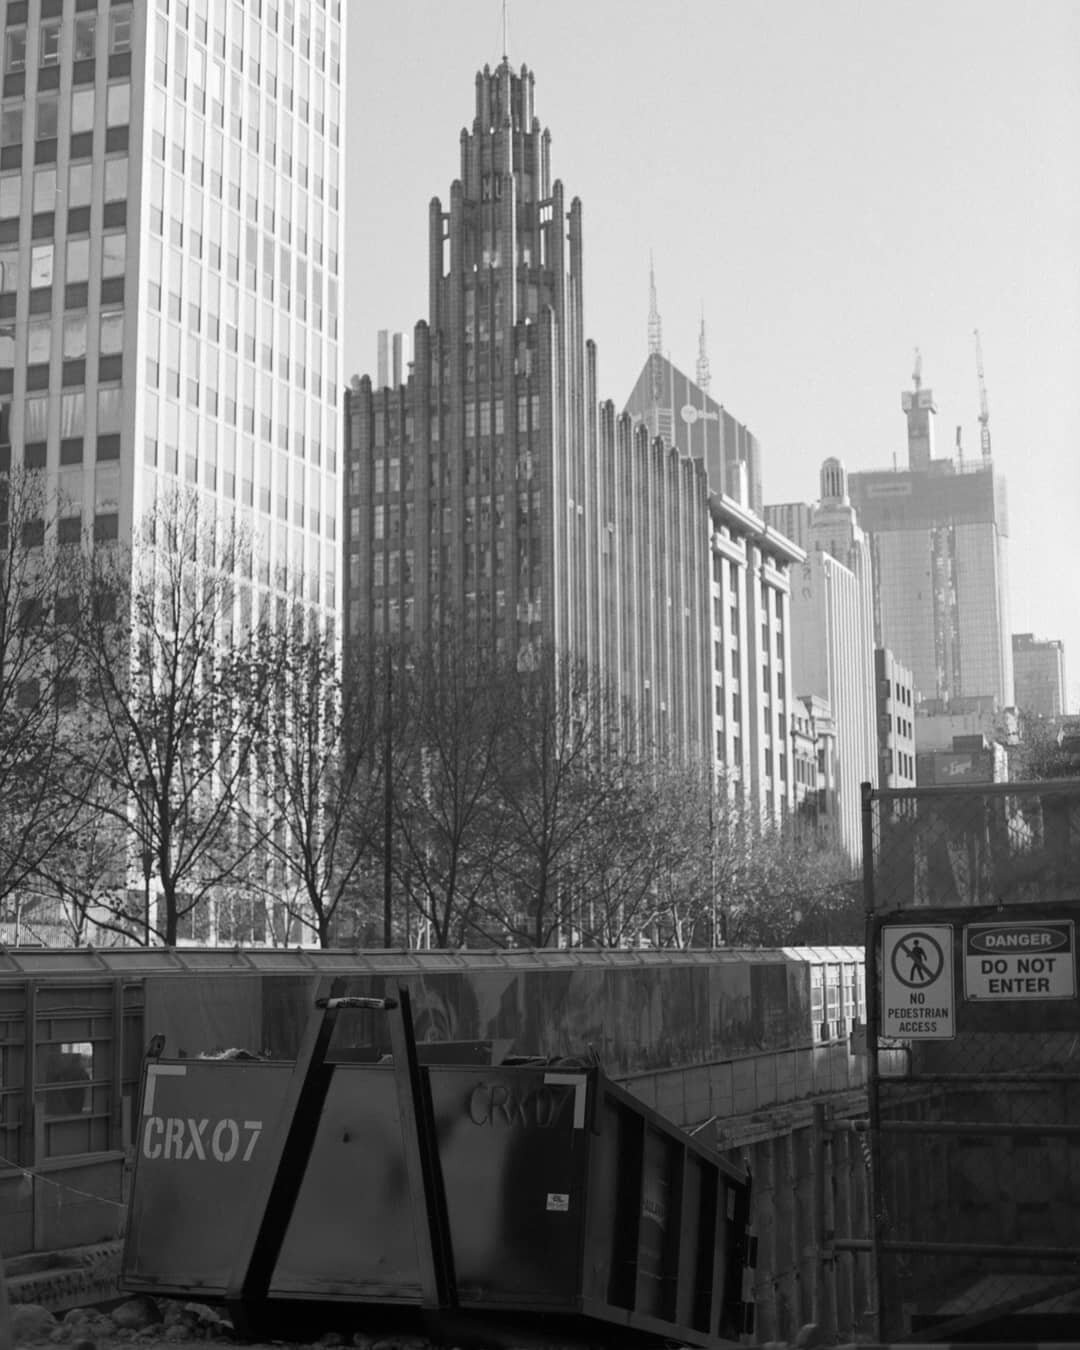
point(917, 983)
point(921, 957)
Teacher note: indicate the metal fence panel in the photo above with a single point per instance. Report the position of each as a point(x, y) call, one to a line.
point(974, 901)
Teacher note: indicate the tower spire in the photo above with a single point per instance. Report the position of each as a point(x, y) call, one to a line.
point(505, 33)
point(655, 335)
point(702, 373)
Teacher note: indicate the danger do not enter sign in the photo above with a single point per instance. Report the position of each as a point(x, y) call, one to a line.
point(1020, 960)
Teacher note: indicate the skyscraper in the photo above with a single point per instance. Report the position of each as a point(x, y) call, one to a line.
point(170, 201)
point(1040, 675)
point(938, 533)
point(472, 490)
point(493, 497)
point(682, 410)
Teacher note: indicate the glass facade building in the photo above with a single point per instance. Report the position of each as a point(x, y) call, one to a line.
point(170, 243)
point(938, 532)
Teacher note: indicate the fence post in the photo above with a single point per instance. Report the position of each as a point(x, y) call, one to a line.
point(820, 1229)
point(873, 985)
point(7, 1338)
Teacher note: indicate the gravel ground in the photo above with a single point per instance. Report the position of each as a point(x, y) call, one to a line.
point(143, 1322)
point(146, 1322)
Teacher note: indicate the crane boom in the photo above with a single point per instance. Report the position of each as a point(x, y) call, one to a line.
point(984, 407)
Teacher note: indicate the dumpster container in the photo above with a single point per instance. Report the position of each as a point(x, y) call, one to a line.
point(493, 1189)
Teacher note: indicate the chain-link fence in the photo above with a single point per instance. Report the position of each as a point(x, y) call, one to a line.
point(975, 1144)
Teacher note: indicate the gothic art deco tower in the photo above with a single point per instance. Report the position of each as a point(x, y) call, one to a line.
point(472, 492)
point(492, 498)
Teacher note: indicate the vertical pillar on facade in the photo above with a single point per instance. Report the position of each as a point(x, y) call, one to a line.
point(453, 586)
point(422, 399)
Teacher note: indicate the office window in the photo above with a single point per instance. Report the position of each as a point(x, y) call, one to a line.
point(116, 179)
point(11, 124)
point(80, 181)
point(41, 265)
point(48, 113)
point(9, 270)
point(118, 105)
point(85, 37)
point(82, 110)
point(49, 43)
point(10, 195)
point(15, 51)
point(74, 337)
point(45, 190)
point(111, 340)
point(73, 414)
point(109, 410)
point(120, 31)
point(38, 342)
point(113, 252)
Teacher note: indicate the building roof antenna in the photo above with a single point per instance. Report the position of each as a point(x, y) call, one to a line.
point(916, 374)
point(702, 375)
point(984, 407)
point(655, 335)
point(505, 33)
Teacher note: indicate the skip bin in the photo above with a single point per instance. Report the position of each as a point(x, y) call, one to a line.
point(515, 1190)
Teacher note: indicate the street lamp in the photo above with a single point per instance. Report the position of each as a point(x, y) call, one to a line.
point(146, 806)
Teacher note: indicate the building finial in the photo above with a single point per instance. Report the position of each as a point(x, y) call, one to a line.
point(655, 336)
point(702, 373)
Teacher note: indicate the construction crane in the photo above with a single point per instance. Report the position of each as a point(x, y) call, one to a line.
point(984, 407)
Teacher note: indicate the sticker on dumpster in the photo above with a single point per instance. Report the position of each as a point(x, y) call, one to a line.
point(1019, 960)
point(917, 1000)
point(558, 1201)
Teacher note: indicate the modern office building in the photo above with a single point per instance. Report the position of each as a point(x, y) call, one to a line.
point(491, 495)
point(832, 639)
point(938, 532)
point(685, 414)
point(170, 266)
point(1039, 673)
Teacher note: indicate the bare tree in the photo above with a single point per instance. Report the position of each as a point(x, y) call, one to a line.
point(178, 688)
point(620, 894)
point(82, 880)
point(558, 776)
point(447, 828)
point(321, 767)
point(37, 681)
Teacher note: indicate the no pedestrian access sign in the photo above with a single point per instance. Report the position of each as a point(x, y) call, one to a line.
point(1020, 960)
point(917, 1002)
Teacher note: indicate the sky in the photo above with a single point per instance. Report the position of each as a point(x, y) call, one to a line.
point(831, 184)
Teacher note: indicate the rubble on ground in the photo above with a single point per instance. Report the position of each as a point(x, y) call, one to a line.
point(143, 1322)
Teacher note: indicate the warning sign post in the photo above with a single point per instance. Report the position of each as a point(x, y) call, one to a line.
point(917, 1001)
point(1020, 960)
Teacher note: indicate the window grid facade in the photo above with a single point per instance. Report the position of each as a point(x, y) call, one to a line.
point(170, 197)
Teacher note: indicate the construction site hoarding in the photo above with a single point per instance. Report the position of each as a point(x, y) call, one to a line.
point(973, 897)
